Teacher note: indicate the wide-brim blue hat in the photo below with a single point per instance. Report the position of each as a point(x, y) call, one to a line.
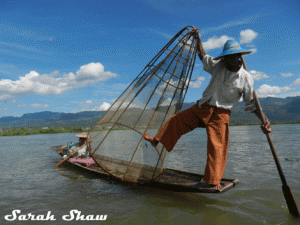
point(233, 47)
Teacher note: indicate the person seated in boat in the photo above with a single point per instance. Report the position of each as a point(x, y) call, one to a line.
point(81, 145)
point(229, 82)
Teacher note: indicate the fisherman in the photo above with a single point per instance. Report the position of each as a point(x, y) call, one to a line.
point(229, 82)
point(81, 145)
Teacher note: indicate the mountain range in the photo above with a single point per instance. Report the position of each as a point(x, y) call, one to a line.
point(276, 109)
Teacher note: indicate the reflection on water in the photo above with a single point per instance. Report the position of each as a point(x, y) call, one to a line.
point(31, 183)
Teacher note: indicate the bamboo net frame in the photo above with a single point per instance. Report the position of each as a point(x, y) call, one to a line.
point(116, 141)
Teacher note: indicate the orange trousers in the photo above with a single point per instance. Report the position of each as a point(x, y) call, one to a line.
point(216, 121)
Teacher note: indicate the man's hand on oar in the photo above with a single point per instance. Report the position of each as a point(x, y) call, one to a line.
point(266, 126)
point(265, 123)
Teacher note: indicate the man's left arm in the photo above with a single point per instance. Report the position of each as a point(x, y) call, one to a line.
point(252, 106)
point(265, 123)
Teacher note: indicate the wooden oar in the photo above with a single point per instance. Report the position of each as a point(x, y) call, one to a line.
point(61, 162)
point(289, 198)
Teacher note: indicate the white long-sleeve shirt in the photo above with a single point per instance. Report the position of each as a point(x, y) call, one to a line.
point(81, 153)
point(226, 88)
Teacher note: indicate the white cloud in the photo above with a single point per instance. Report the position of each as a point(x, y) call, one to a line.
point(39, 106)
point(247, 36)
point(4, 97)
point(267, 90)
point(290, 90)
point(22, 47)
point(53, 83)
point(36, 105)
point(290, 94)
point(286, 74)
point(215, 42)
point(86, 104)
point(24, 32)
point(229, 24)
point(167, 102)
point(22, 105)
point(130, 104)
point(197, 83)
point(294, 62)
point(103, 107)
point(167, 36)
point(297, 82)
point(253, 50)
point(256, 75)
point(94, 72)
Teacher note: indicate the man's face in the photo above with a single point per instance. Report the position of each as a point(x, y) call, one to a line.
point(81, 140)
point(232, 62)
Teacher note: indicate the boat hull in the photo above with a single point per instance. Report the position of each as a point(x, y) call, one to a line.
point(169, 179)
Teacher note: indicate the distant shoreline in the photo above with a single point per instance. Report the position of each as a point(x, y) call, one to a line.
point(27, 131)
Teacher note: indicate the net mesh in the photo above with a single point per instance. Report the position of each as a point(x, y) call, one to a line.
point(116, 141)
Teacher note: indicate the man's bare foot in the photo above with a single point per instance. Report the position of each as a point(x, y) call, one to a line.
point(151, 140)
point(216, 187)
point(211, 186)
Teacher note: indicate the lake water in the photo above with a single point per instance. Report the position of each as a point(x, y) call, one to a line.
point(30, 182)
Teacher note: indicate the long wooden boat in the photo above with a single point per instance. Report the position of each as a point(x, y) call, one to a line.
point(169, 179)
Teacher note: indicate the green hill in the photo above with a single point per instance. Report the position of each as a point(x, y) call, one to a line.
point(278, 110)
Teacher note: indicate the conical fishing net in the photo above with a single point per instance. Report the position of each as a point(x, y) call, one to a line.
point(116, 141)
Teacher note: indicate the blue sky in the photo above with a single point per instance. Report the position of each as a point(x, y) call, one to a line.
point(72, 56)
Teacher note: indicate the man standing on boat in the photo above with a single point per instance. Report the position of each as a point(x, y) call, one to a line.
point(229, 82)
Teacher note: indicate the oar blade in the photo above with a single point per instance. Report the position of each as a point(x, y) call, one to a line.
point(290, 201)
